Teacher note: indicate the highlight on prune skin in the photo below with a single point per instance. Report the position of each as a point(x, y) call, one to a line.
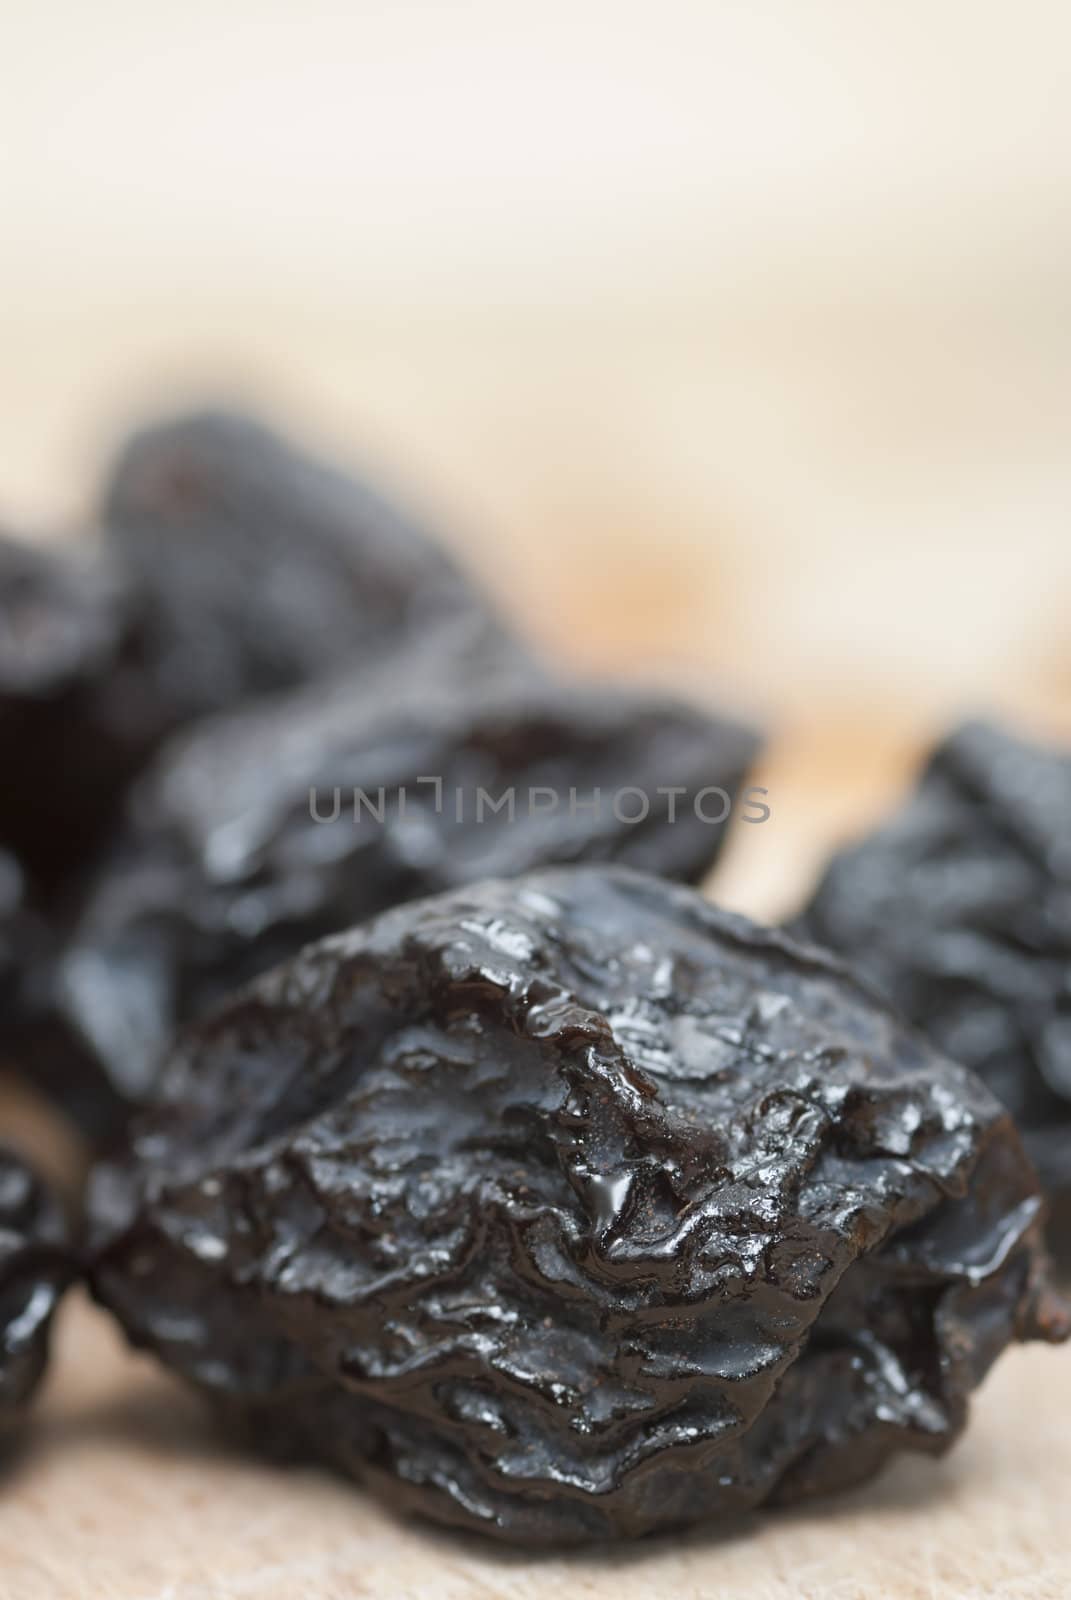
point(245, 840)
point(257, 567)
point(35, 1268)
point(959, 909)
point(572, 1208)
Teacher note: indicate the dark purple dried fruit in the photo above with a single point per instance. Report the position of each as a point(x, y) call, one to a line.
point(35, 1268)
point(573, 1208)
point(232, 860)
point(959, 909)
point(64, 733)
point(236, 566)
point(13, 918)
point(30, 1036)
point(257, 567)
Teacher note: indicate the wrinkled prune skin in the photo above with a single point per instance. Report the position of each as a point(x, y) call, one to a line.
point(35, 1268)
point(257, 567)
point(959, 909)
point(570, 1208)
point(228, 865)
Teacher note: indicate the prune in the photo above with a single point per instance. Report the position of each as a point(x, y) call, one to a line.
point(959, 909)
point(28, 951)
point(64, 735)
point(571, 1207)
point(232, 566)
point(256, 568)
point(245, 842)
point(35, 1268)
point(12, 925)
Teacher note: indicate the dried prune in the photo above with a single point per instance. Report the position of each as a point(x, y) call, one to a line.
point(28, 950)
point(959, 909)
point(35, 1268)
point(571, 1207)
point(64, 734)
point(232, 565)
point(256, 567)
point(12, 927)
point(246, 841)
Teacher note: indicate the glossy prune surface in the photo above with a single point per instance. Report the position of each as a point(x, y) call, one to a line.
point(244, 841)
point(35, 1268)
point(571, 1208)
point(959, 909)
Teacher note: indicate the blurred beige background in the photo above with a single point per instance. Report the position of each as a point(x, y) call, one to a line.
point(749, 323)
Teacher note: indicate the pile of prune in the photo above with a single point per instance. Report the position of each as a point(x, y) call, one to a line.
point(269, 828)
point(959, 909)
point(69, 733)
point(35, 1267)
point(231, 565)
point(568, 1208)
point(440, 1134)
point(305, 646)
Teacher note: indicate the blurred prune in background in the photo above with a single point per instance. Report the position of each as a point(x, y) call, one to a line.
point(15, 924)
point(261, 637)
point(70, 734)
point(959, 909)
point(569, 1208)
point(35, 1268)
point(231, 565)
point(256, 567)
point(261, 830)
